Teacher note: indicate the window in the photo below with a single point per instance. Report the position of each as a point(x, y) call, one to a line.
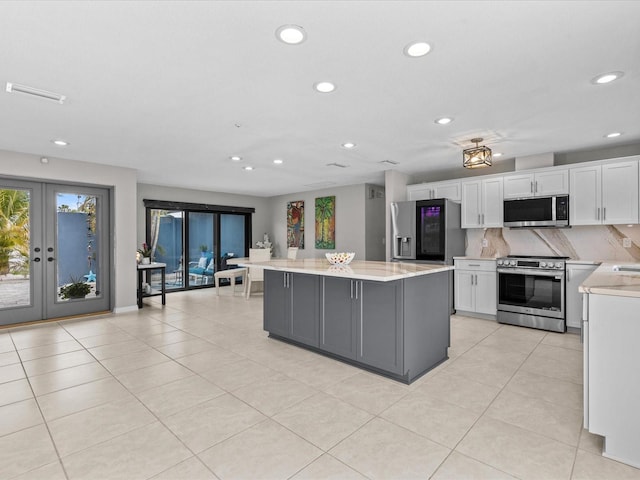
point(195, 240)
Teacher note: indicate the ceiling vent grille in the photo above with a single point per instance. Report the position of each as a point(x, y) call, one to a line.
point(336, 164)
point(390, 162)
point(36, 92)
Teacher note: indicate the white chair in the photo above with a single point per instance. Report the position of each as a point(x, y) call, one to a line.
point(256, 274)
point(231, 274)
point(292, 253)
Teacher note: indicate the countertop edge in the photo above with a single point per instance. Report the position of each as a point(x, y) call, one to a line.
point(605, 281)
point(323, 269)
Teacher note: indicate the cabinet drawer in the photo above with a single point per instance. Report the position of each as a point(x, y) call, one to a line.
point(476, 265)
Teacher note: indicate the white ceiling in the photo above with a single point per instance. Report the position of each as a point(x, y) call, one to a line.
point(173, 89)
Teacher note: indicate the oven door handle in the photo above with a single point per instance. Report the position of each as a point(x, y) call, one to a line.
point(534, 273)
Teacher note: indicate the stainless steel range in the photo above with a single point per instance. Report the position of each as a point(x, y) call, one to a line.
point(531, 292)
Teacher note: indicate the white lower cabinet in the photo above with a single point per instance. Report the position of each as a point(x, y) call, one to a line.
point(475, 286)
point(576, 275)
point(611, 388)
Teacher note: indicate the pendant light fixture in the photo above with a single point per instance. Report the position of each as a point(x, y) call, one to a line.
point(476, 157)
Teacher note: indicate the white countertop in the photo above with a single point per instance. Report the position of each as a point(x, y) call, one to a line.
point(476, 259)
point(357, 269)
point(606, 281)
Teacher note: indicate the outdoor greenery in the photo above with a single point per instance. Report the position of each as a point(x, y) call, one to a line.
point(75, 289)
point(14, 231)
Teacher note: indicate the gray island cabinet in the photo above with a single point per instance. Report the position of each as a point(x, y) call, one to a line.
point(389, 318)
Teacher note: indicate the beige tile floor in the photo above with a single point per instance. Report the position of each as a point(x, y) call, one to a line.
point(196, 390)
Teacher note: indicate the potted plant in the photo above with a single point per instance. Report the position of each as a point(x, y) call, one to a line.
point(145, 254)
point(76, 289)
point(203, 248)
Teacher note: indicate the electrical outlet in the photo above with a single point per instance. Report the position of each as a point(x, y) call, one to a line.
point(626, 242)
point(485, 242)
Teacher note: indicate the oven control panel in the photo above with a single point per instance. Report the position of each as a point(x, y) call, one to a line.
point(532, 263)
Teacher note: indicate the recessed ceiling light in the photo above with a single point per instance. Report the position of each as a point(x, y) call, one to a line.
point(613, 135)
point(278, 161)
point(236, 158)
point(444, 120)
point(497, 154)
point(607, 78)
point(324, 87)
point(291, 34)
point(248, 167)
point(348, 145)
point(60, 143)
point(417, 49)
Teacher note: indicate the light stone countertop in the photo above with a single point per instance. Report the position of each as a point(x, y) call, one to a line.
point(357, 269)
point(476, 258)
point(606, 281)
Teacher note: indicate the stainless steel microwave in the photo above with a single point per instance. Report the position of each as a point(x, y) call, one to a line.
point(537, 212)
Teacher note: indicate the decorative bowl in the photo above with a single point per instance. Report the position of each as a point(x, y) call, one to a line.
point(340, 258)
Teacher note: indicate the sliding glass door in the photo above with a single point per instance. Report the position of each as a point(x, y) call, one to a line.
point(201, 248)
point(195, 240)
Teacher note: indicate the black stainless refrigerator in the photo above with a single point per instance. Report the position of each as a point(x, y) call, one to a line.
point(427, 231)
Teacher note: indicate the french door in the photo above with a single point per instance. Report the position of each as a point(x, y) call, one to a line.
point(54, 251)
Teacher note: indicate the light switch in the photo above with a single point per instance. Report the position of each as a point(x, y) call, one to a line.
point(485, 242)
point(626, 242)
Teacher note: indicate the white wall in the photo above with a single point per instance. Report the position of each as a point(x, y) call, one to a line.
point(123, 182)
point(261, 219)
point(350, 221)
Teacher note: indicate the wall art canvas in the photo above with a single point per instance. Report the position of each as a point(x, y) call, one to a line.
point(295, 224)
point(326, 222)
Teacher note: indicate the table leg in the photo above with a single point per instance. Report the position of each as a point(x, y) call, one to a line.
point(164, 287)
point(139, 288)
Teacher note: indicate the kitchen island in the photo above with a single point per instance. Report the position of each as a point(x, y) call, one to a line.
point(611, 329)
point(388, 318)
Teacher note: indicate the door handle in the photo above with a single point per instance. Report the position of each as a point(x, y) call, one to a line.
point(598, 213)
point(536, 191)
point(604, 214)
point(37, 259)
point(50, 259)
point(531, 189)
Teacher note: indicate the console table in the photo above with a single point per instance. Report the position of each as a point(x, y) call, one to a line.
point(149, 268)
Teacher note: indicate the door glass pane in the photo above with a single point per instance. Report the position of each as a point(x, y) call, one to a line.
point(78, 249)
point(166, 244)
point(201, 248)
point(231, 237)
point(15, 230)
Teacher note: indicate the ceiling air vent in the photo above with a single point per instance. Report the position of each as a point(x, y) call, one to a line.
point(336, 164)
point(389, 162)
point(36, 92)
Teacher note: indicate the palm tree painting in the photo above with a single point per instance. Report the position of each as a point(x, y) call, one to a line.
point(326, 222)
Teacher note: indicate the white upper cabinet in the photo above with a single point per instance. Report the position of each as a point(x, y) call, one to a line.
point(549, 182)
point(605, 194)
point(427, 191)
point(482, 203)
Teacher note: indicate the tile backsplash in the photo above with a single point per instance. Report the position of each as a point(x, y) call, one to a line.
point(594, 242)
